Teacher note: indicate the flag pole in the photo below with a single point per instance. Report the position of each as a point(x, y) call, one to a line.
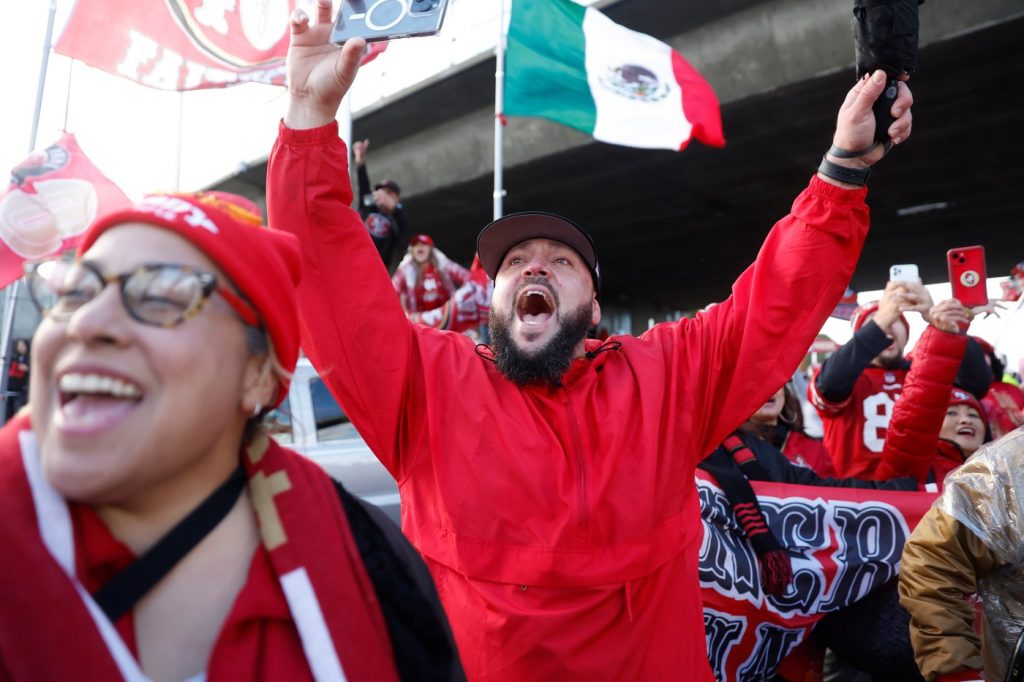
point(67, 95)
point(499, 106)
point(181, 128)
point(12, 291)
point(345, 124)
point(41, 86)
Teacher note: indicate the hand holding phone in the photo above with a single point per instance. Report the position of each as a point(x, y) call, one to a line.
point(967, 275)
point(377, 20)
point(904, 273)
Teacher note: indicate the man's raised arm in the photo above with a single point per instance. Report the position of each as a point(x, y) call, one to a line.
point(744, 349)
point(353, 328)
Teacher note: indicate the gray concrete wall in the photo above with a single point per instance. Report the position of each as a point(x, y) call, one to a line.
point(752, 51)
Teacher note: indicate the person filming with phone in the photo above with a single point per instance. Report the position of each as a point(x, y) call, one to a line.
point(855, 389)
point(547, 478)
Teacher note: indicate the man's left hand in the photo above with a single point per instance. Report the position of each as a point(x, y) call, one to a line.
point(855, 127)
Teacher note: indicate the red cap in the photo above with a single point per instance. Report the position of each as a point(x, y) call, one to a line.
point(959, 396)
point(263, 263)
point(861, 314)
point(421, 239)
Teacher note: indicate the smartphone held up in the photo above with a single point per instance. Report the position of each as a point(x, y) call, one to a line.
point(967, 275)
point(377, 20)
point(906, 272)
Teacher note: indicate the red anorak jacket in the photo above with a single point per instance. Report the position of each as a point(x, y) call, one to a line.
point(912, 443)
point(561, 524)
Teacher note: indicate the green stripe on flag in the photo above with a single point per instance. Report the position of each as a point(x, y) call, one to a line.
point(545, 65)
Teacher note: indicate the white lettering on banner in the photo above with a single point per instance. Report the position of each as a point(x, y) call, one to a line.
point(212, 14)
point(861, 542)
point(877, 413)
point(170, 208)
point(723, 631)
point(141, 50)
point(146, 61)
point(166, 72)
point(773, 645)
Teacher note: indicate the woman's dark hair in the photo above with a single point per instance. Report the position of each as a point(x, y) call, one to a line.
point(792, 416)
point(792, 405)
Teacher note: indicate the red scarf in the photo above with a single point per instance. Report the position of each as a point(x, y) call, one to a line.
point(51, 629)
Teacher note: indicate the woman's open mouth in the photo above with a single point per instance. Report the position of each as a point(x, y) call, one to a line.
point(968, 431)
point(90, 402)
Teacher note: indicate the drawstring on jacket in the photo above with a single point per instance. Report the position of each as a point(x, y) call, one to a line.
point(605, 346)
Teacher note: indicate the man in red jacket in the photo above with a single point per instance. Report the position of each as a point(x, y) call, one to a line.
point(548, 479)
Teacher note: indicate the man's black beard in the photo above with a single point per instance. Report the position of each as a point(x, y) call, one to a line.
point(895, 362)
point(547, 364)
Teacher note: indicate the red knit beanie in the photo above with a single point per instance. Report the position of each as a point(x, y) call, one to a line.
point(861, 314)
point(263, 263)
point(959, 396)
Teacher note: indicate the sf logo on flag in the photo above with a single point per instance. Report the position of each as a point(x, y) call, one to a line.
point(237, 32)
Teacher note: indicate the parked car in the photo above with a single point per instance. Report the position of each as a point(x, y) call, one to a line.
point(311, 422)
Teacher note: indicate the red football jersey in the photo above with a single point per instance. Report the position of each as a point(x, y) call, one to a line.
point(855, 428)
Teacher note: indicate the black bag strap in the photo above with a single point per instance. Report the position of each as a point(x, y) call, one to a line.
point(124, 590)
point(421, 638)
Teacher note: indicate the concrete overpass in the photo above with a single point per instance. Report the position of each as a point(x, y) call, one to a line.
point(674, 229)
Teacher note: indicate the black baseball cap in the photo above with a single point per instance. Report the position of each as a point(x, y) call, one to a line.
point(497, 238)
point(388, 184)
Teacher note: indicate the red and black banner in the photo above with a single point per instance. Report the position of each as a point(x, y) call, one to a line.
point(842, 544)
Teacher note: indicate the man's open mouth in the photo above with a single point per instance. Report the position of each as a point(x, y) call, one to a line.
point(534, 305)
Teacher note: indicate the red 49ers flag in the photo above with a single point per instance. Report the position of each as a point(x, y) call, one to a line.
point(842, 544)
point(53, 197)
point(183, 44)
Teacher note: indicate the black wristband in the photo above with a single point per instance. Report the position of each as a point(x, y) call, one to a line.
point(853, 176)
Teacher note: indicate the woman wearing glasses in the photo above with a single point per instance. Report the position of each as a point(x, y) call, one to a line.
point(150, 529)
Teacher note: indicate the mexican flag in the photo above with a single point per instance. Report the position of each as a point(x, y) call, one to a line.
point(573, 65)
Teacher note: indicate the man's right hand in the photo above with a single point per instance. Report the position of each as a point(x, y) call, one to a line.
point(894, 301)
point(319, 73)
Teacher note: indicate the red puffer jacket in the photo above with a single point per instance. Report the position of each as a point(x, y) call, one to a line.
point(912, 444)
point(560, 524)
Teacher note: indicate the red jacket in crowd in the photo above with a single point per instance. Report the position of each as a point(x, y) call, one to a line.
point(912, 445)
point(561, 525)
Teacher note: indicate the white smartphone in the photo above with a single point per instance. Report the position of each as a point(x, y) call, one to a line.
point(904, 273)
point(377, 20)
